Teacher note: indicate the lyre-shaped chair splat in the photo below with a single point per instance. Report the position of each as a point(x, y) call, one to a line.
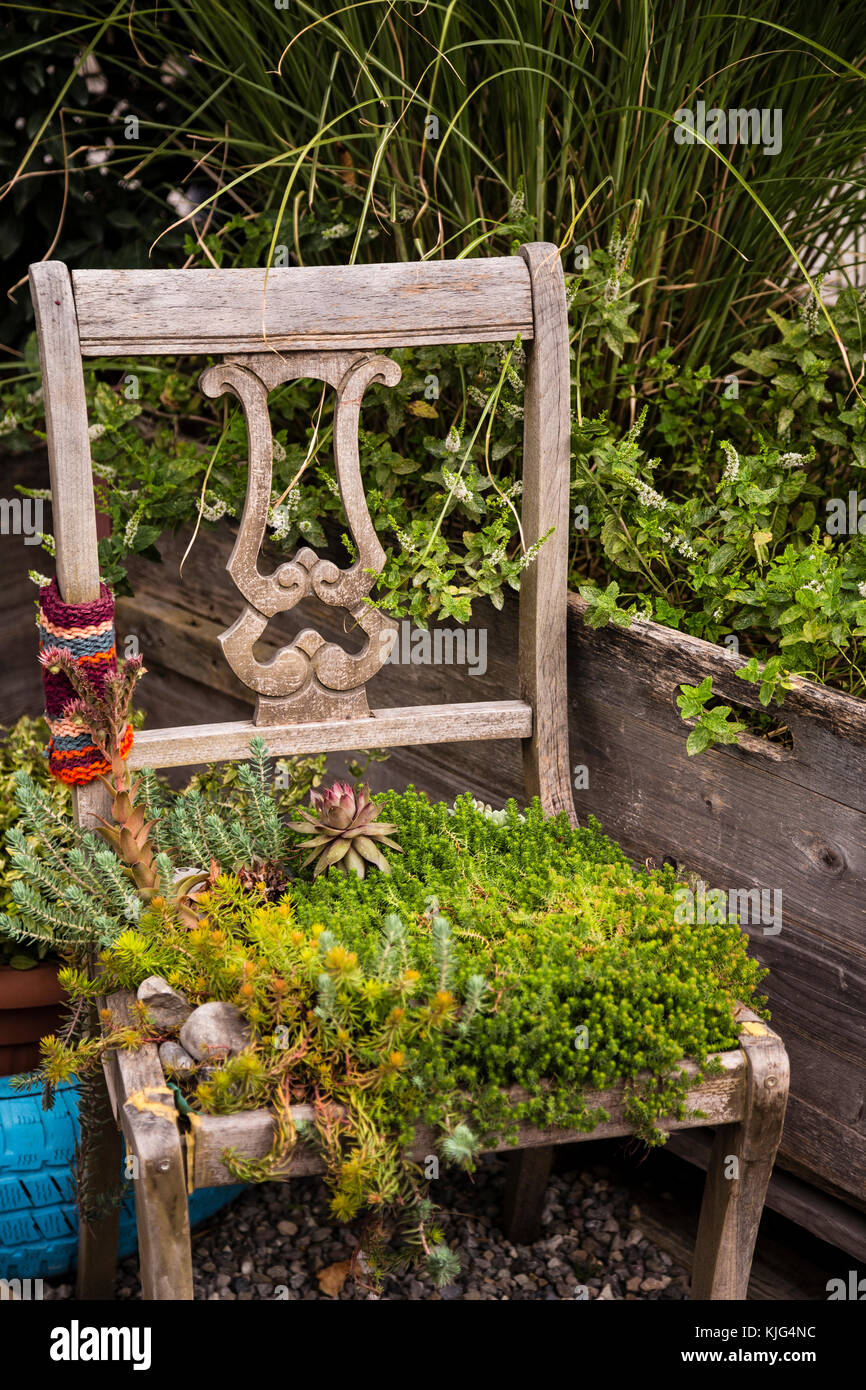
point(311, 679)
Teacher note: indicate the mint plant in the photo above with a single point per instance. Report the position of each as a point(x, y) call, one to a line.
point(713, 723)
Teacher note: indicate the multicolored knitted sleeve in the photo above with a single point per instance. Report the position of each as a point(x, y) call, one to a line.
point(86, 631)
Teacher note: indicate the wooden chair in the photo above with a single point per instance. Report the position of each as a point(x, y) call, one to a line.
point(332, 324)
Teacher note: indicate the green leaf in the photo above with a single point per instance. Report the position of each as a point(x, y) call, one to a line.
point(697, 740)
point(23, 962)
point(694, 697)
point(721, 558)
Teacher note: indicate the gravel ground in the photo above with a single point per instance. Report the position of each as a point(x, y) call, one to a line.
point(279, 1240)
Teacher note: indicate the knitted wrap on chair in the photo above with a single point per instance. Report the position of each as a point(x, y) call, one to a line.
point(86, 631)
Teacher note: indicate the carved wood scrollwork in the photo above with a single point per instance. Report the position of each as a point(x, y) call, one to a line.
point(311, 679)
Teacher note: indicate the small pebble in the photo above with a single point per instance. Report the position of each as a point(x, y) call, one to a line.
point(592, 1246)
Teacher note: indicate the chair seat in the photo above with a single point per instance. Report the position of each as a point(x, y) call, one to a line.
point(139, 1090)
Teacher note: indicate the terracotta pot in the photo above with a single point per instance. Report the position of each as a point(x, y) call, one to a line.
point(30, 1007)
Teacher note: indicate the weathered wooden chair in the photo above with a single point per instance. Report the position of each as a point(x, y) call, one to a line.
point(330, 324)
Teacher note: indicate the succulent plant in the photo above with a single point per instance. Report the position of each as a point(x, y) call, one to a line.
point(106, 713)
point(345, 831)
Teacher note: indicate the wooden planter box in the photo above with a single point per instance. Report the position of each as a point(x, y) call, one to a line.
point(755, 815)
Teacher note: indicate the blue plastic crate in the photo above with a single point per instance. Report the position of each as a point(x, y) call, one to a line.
point(38, 1220)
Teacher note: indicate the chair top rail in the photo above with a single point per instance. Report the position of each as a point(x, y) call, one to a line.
point(386, 728)
point(126, 312)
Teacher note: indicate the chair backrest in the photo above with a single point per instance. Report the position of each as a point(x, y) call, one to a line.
point(326, 323)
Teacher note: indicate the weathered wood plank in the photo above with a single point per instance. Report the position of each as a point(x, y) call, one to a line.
point(668, 1198)
point(98, 1233)
point(68, 441)
point(124, 312)
point(721, 1098)
point(828, 727)
point(828, 1218)
point(148, 1118)
point(544, 585)
point(733, 820)
point(525, 1190)
point(384, 729)
point(739, 1170)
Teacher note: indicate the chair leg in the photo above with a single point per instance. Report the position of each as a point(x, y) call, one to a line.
point(739, 1170)
point(525, 1188)
point(165, 1256)
point(161, 1209)
point(97, 1231)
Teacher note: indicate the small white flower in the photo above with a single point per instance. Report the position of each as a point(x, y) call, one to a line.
point(810, 312)
point(282, 521)
point(180, 203)
point(99, 156)
point(618, 249)
point(338, 229)
point(8, 423)
point(452, 443)
point(131, 528)
point(96, 431)
point(528, 556)
point(456, 486)
point(36, 578)
point(279, 452)
point(680, 544)
point(861, 589)
point(648, 496)
point(792, 460)
point(290, 503)
point(732, 467)
point(518, 357)
point(214, 509)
